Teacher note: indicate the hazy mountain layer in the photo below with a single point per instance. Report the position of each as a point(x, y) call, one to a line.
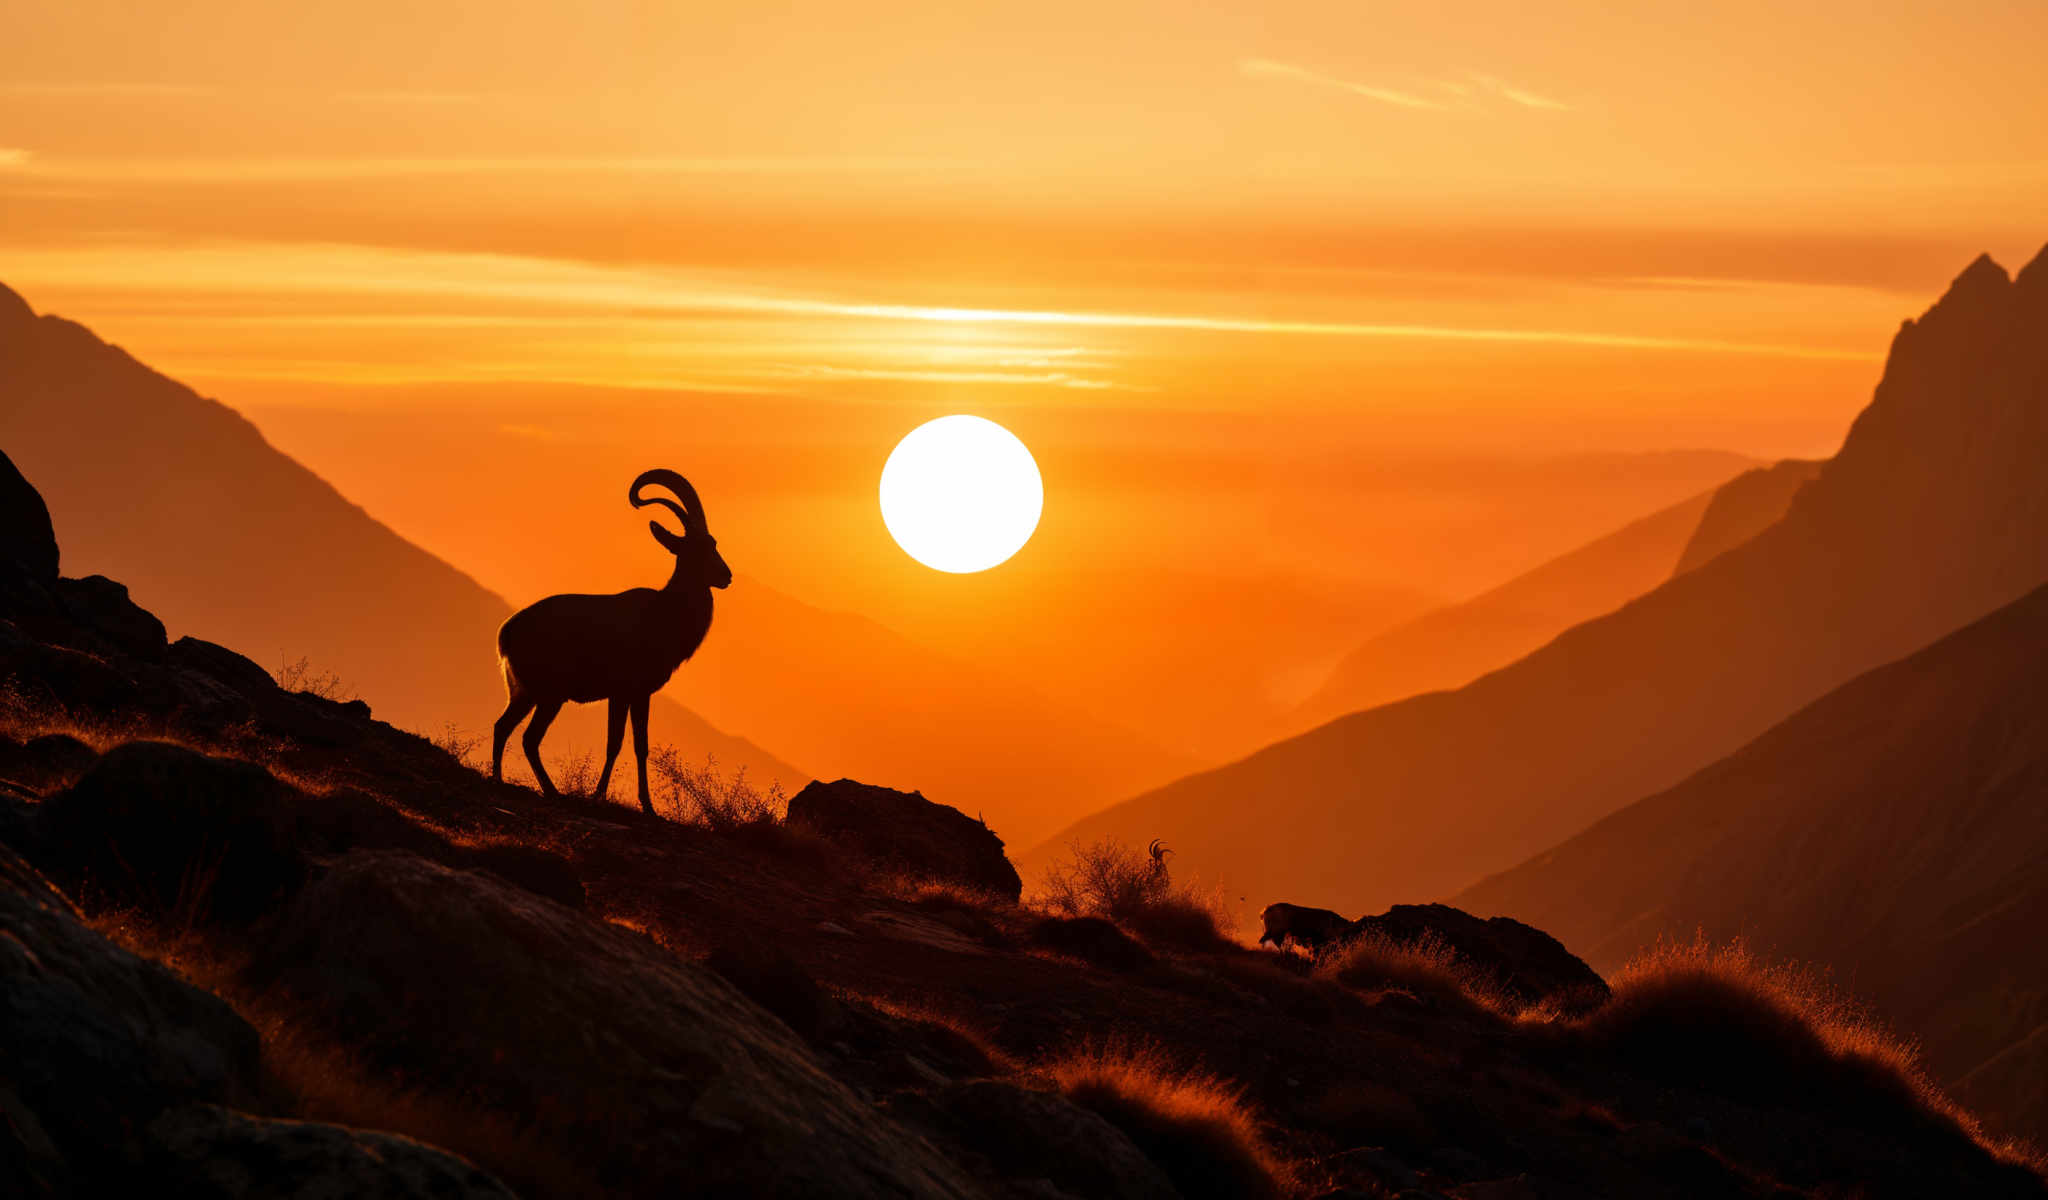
point(1931, 515)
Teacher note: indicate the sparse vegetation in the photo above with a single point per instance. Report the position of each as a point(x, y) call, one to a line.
point(702, 795)
point(1196, 1128)
point(1720, 1017)
point(1426, 968)
point(1114, 881)
point(462, 746)
point(303, 676)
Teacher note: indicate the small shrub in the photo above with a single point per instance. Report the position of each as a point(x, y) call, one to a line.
point(575, 773)
point(1427, 968)
point(460, 745)
point(1113, 881)
point(302, 676)
point(1196, 1128)
point(701, 795)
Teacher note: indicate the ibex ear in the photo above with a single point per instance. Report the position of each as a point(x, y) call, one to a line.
point(672, 542)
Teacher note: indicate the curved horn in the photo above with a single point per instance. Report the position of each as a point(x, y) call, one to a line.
point(690, 512)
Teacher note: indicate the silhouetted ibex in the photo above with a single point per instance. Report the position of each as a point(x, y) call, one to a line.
point(620, 649)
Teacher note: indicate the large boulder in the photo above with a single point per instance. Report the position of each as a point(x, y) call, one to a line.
point(1526, 963)
point(907, 831)
point(27, 539)
point(206, 1150)
point(651, 1071)
point(171, 830)
point(96, 1043)
point(102, 606)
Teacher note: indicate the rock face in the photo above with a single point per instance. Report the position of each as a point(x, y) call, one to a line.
point(1528, 964)
point(26, 535)
point(118, 1073)
point(206, 1150)
point(905, 830)
point(1744, 507)
point(652, 1071)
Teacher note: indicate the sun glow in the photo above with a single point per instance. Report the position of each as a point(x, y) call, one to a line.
point(961, 494)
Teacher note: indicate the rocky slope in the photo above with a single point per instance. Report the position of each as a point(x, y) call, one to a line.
point(258, 943)
point(1931, 515)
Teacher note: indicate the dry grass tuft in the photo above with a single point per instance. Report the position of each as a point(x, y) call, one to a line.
point(1195, 1127)
point(1111, 880)
point(1426, 968)
point(1722, 1018)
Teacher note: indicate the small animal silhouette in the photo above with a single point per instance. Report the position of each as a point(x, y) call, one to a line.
point(620, 648)
point(1317, 929)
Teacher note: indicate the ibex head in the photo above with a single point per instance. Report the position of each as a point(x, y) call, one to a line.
point(694, 547)
point(1158, 851)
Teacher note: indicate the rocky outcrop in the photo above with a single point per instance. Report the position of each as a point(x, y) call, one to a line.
point(653, 1072)
point(909, 832)
point(26, 535)
point(1527, 964)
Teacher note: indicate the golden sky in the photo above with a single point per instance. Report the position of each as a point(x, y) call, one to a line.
point(1264, 230)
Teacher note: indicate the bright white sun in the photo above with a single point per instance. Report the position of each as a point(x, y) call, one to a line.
point(961, 494)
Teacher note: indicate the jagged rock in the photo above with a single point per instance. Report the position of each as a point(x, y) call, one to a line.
point(96, 1043)
point(653, 1072)
point(173, 830)
point(1528, 964)
point(223, 665)
point(1028, 1134)
point(1090, 939)
point(206, 1150)
point(26, 536)
point(907, 831)
point(102, 606)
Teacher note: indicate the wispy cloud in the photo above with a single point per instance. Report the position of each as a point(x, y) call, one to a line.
point(1266, 68)
point(425, 99)
point(1467, 92)
point(566, 287)
point(11, 156)
point(240, 170)
point(105, 88)
point(1517, 95)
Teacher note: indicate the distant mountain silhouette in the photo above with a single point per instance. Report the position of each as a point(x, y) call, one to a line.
point(1744, 507)
point(1458, 643)
point(1895, 829)
point(1932, 514)
point(227, 538)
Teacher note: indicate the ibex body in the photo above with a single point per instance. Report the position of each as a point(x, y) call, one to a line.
point(619, 648)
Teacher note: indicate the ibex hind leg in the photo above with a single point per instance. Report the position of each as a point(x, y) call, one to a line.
point(543, 716)
point(614, 735)
point(515, 711)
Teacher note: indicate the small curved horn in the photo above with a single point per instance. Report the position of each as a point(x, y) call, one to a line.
point(690, 512)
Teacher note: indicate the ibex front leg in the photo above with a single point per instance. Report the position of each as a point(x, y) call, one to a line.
point(640, 748)
point(614, 733)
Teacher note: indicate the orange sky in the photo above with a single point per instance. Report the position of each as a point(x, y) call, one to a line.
point(1233, 271)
